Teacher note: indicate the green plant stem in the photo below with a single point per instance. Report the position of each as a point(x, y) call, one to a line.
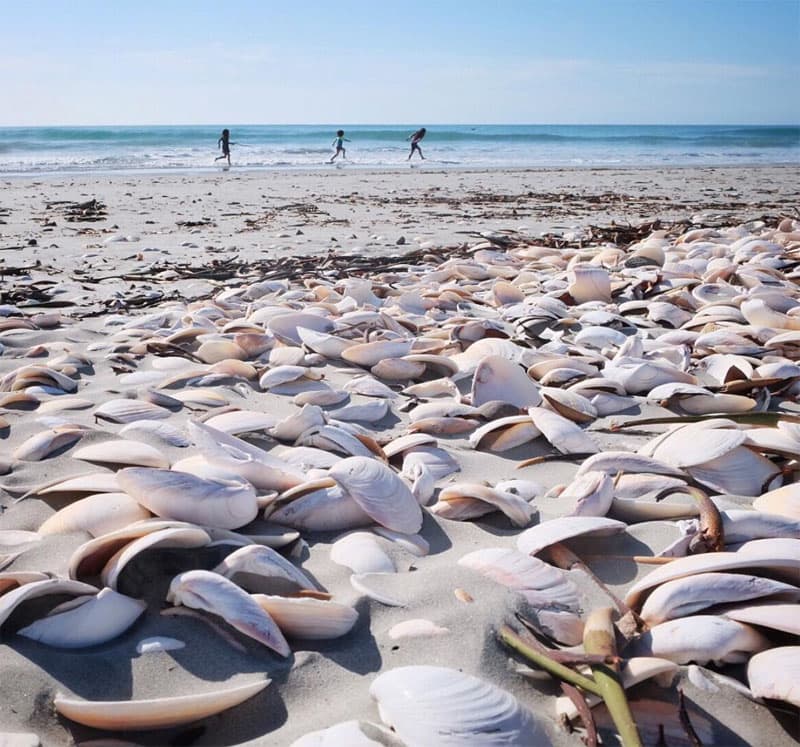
point(543, 661)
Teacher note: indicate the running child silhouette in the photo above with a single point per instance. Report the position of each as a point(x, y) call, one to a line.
point(225, 142)
point(337, 143)
point(415, 138)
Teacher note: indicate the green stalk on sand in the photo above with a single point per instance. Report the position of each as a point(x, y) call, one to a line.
point(598, 640)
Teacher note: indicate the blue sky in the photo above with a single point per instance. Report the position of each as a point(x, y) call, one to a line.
point(456, 61)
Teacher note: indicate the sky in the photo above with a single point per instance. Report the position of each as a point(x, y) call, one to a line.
point(80, 62)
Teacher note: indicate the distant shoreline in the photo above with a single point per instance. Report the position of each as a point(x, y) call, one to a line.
point(400, 168)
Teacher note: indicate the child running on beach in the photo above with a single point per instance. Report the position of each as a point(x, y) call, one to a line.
point(225, 143)
point(337, 143)
point(415, 137)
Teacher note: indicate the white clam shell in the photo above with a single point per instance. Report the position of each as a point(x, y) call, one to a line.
point(361, 553)
point(129, 410)
point(41, 445)
point(10, 600)
point(262, 561)
point(368, 354)
point(181, 496)
point(156, 713)
point(775, 556)
point(305, 617)
point(187, 537)
point(213, 593)
point(96, 514)
point(416, 628)
point(99, 618)
point(429, 705)
point(123, 451)
point(776, 674)
point(535, 539)
point(701, 638)
point(690, 594)
point(499, 379)
point(379, 492)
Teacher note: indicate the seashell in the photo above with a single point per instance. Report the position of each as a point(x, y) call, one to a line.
point(563, 434)
point(592, 493)
point(325, 344)
point(740, 471)
point(545, 588)
point(201, 397)
point(397, 369)
point(241, 421)
point(417, 628)
point(435, 705)
point(498, 379)
point(441, 364)
point(640, 376)
point(350, 733)
point(97, 619)
point(156, 713)
point(570, 405)
point(163, 431)
point(690, 594)
point(519, 511)
point(187, 536)
point(274, 377)
point(379, 492)
point(287, 355)
point(361, 553)
point(759, 314)
point(92, 482)
point(123, 452)
point(701, 638)
point(262, 470)
point(286, 326)
point(213, 593)
point(332, 438)
point(690, 445)
point(613, 462)
point(589, 284)
point(442, 409)
point(96, 514)
point(361, 582)
point(64, 403)
point(158, 644)
point(14, 579)
point(503, 434)
point(775, 674)
point(44, 444)
point(129, 410)
point(535, 539)
point(776, 556)
point(369, 354)
point(322, 397)
point(293, 426)
point(305, 617)
point(741, 525)
point(772, 614)
point(177, 495)
point(369, 387)
point(783, 501)
point(444, 387)
point(10, 600)
point(368, 412)
point(443, 426)
point(262, 564)
point(409, 441)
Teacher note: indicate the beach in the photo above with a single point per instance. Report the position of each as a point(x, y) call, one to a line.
point(208, 257)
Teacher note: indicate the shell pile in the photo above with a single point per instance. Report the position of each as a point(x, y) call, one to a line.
point(211, 469)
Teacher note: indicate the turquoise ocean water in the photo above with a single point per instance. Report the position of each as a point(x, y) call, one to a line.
point(43, 150)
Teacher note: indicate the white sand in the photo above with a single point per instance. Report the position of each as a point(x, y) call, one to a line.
point(365, 213)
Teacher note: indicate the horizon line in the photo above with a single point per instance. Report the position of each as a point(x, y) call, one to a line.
point(412, 124)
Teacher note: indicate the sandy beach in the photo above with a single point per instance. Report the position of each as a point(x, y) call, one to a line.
point(164, 290)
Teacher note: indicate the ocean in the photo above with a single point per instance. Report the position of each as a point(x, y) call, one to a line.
point(47, 150)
